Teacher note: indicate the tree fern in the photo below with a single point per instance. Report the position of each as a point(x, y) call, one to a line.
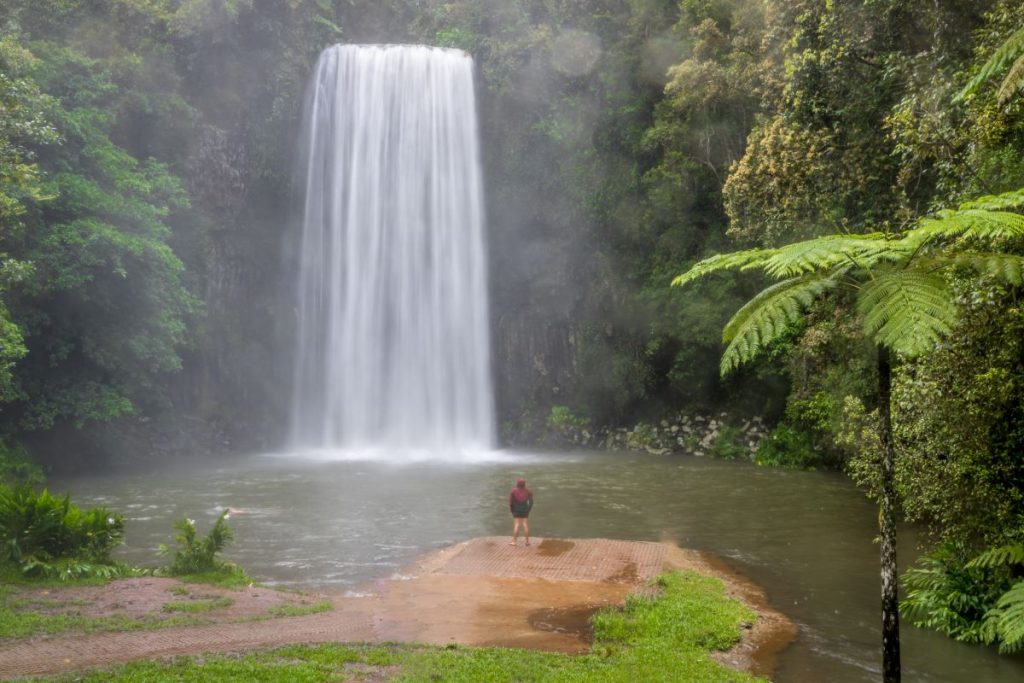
point(1003, 556)
point(767, 316)
point(976, 223)
point(737, 260)
point(1007, 268)
point(907, 310)
point(831, 251)
point(1004, 623)
point(1013, 81)
point(998, 202)
point(1010, 52)
point(906, 303)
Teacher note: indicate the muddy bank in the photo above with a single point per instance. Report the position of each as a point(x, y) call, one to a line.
point(486, 592)
point(482, 592)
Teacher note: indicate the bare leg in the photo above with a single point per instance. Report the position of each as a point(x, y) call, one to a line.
point(526, 530)
point(515, 530)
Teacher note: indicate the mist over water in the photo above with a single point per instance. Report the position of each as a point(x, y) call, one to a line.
point(393, 349)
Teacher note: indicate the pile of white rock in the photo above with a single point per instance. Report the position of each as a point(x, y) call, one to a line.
point(682, 433)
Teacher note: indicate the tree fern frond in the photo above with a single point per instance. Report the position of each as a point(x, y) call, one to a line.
point(1006, 200)
point(978, 223)
point(1008, 616)
point(1007, 268)
point(766, 317)
point(1011, 200)
point(906, 310)
point(829, 251)
point(1004, 54)
point(739, 260)
point(1012, 82)
point(1003, 556)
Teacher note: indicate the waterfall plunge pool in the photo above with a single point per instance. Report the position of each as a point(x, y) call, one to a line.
point(333, 521)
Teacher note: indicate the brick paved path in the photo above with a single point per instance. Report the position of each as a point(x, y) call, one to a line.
point(473, 575)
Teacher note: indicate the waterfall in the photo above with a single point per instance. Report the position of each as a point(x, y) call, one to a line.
point(393, 348)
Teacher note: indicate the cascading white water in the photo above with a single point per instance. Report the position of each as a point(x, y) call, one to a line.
point(393, 342)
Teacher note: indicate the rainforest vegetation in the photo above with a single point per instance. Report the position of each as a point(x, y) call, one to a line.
point(146, 149)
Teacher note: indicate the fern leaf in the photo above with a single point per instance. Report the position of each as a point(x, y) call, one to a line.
point(1004, 54)
point(1009, 614)
point(830, 251)
point(1007, 268)
point(767, 316)
point(1003, 556)
point(907, 310)
point(998, 202)
point(739, 260)
point(1013, 81)
point(977, 223)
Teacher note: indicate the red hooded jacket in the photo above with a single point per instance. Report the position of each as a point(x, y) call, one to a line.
point(521, 499)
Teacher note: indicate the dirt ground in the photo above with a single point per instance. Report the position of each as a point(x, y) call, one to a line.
point(479, 592)
point(156, 598)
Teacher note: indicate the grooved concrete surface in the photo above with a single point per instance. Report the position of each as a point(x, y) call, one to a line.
point(560, 560)
point(466, 593)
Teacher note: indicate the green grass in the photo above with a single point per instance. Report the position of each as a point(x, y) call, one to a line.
point(668, 638)
point(231, 576)
point(19, 624)
point(300, 610)
point(198, 605)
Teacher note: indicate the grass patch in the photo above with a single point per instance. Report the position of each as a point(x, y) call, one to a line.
point(19, 624)
point(198, 605)
point(300, 610)
point(178, 590)
point(230, 576)
point(668, 638)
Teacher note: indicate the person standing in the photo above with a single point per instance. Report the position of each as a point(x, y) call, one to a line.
point(520, 502)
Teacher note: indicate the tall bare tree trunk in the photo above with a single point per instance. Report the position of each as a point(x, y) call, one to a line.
point(887, 526)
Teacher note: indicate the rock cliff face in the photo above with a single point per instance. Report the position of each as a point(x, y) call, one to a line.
point(231, 394)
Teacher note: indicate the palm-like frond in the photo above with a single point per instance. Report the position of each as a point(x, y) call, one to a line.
point(997, 202)
point(907, 310)
point(1007, 268)
point(1012, 82)
point(830, 251)
point(738, 260)
point(1011, 200)
point(1003, 556)
point(767, 316)
point(1006, 53)
point(977, 223)
point(1005, 621)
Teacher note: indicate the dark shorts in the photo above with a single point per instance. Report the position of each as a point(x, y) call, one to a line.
point(520, 515)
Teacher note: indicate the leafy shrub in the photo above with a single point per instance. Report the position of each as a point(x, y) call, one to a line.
point(947, 594)
point(785, 446)
point(562, 417)
point(197, 555)
point(46, 534)
point(729, 445)
point(16, 467)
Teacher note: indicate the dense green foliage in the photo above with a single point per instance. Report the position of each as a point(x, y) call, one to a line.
point(668, 638)
point(879, 115)
point(46, 535)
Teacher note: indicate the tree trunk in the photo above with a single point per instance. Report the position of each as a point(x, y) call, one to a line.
point(887, 525)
